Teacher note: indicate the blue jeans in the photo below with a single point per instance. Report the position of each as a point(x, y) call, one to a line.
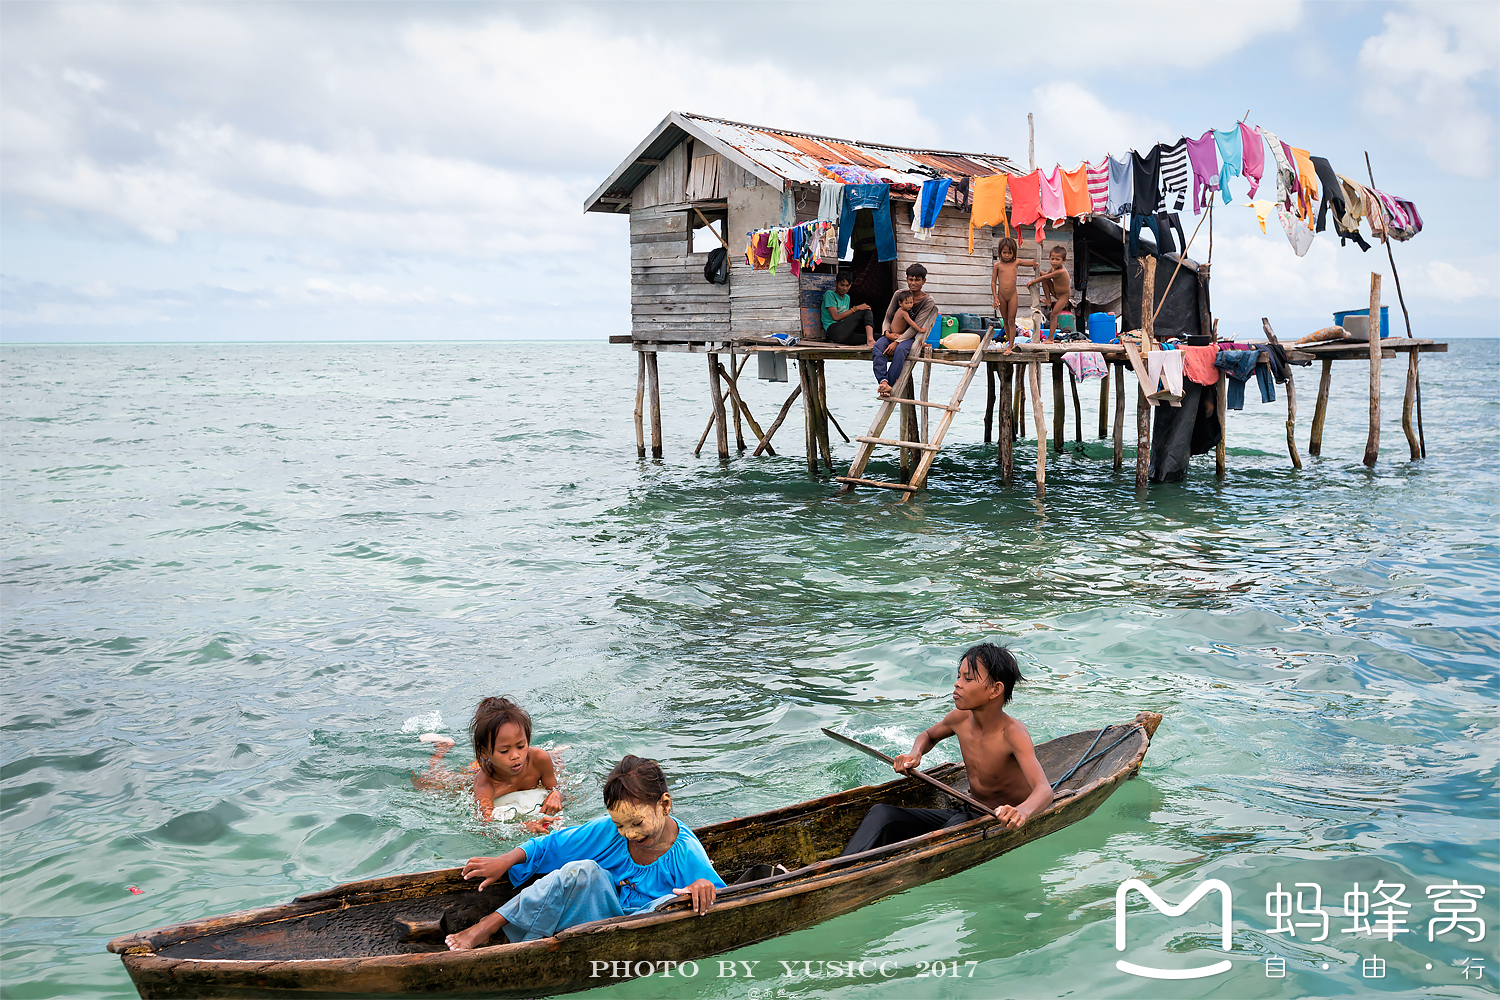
point(873, 196)
point(576, 893)
point(889, 369)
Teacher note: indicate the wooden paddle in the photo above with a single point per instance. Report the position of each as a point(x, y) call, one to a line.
point(984, 810)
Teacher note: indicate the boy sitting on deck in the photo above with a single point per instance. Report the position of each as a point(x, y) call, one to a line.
point(909, 316)
point(1056, 288)
point(999, 759)
point(843, 324)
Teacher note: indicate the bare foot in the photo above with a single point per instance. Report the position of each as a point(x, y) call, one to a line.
point(469, 939)
point(883, 390)
point(1008, 348)
point(437, 738)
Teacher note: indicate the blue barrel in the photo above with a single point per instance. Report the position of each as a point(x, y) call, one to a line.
point(1102, 328)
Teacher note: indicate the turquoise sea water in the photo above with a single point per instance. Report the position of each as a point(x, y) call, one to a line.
point(239, 580)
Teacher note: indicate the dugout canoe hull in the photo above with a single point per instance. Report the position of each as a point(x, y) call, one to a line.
point(343, 941)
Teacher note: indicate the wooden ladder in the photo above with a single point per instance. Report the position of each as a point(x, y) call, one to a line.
point(927, 449)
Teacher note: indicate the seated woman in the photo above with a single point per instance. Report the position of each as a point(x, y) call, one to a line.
point(631, 861)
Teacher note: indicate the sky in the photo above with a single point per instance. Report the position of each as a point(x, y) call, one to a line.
point(390, 171)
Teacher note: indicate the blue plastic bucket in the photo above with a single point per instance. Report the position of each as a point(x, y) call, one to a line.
point(1102, 328)
point(1385, 318)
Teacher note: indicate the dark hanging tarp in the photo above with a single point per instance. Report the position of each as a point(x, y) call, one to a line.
point(1098, 248)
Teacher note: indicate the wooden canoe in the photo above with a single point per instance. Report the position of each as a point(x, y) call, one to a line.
point(357, 938)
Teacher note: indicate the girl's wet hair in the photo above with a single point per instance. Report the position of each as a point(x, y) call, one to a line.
point(491, 714)
point(635, 779)
point(997, 663)
point(1007, 243)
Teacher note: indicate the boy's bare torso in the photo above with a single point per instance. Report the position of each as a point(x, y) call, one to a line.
point(995, 776)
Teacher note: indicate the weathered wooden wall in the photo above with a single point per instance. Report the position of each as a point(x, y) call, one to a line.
point(669, 300)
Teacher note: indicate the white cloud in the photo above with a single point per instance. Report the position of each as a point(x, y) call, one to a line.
point(1455, 284)
point(1424, 77)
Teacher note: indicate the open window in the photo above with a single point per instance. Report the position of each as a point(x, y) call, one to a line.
point(709, 228)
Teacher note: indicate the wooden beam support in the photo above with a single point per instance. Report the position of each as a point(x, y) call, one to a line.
point(1408, 403)
point(809, 408)
point(1119, 432)
point(640, 406)
point(1142, 437)
point(1034, 375)
point(1221, 450)
point(1320, 410)
point(765, 439)
point(1104, 405)
point(1077, 410)
point(721, 424)
point(1005, 434)
point(1059, 409)
point(1372, 443)
point(989, 399)
point(653, 384)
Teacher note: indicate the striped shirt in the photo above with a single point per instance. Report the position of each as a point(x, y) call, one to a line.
point(1174, 175)
point(1099, 185)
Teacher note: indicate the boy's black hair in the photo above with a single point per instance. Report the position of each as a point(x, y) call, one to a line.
point(916, 271)
point(1059, 250)
point(998, 663)
point(845, 278)
point(491, 714)
point(635, 779)
point(905, 295)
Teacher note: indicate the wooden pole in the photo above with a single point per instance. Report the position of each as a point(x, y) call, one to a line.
point(926, 352)
point(734, 399)
point(640, 405)
point(823, 442)
point(653, 383)
point(1077, 409)
point(1148, 304)
point(1291, 399)
point(809, 406)
point(1142, 435)
point(1408, 402)
point(1221, 451)
point(1006, 432)
point(1320, 410)
point(741, 407)
point(1059, 408)
point(765, 439)
point(989, 399)
point(721, 424)
point(1104, 405)
point(1119, 417)
point(1394, 274)
point(1372, 443)
point(1020, 407)
point(1034, 376)
point(1421, 434)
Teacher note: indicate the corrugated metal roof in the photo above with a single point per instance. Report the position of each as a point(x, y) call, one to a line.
point(779, 157)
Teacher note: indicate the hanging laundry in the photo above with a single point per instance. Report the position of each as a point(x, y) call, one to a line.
point(1099, 187)
point(1261, 208)
point(1075, 190)
point(1403, 221)
point(989, 205)
point(775, 236)
point(1231, 145)
point(1147, 191)
point(1121, 185)
point(830, 200)
point(1086, 365)
point(1333, 196)
point(1204, 157)
point(1297, 234)
point(1252, 156)
point(1164, 367)
point(1238, 365)
point(876, 197)
point(1026, 202)
point(1307, 179)
point(1286, 174)
point(929, 203)
point(961, 196)
point(848, 174)
point(1174, 175)
point(1052, 196)
point(1198, 364)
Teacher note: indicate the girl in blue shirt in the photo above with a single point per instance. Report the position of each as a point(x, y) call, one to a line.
point(634, 860)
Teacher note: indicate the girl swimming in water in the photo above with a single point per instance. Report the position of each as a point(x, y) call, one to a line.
point(511, 777)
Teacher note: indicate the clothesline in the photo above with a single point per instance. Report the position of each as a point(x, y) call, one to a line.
point(799, 246)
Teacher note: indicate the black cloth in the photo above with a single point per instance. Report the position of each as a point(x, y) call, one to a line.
point(885, 824)
point(1194, 428)
point(1147, 193)
point(1333, 194)
point(850, 329)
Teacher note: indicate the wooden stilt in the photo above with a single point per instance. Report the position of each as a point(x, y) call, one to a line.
point(989, 399)
point(1372, 443)
point(1421, 435)
point(653, 385)
point(1059, 409)
point(721, 422)
point(926, 385)
point(1020, 407)
point(1104, 405)
point(1077, 409)
point(1007, 431)
point(809, 415)
point(1291, 400)
point(1034, 375)
point(1221, 451)
point(1320, 410)
point(640, 405)
point(820, 378)
point(765, 439)
point(1408, 403)
point(734, 409)
point(1119, 417)
point(1142, 436)
point(741, 407)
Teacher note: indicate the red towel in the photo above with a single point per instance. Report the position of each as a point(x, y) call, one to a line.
point(1198, 364)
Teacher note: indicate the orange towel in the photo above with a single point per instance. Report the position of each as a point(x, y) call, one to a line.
point(1198, 364)
point(1075, 185)
point(1307, 176)
point(989, 205)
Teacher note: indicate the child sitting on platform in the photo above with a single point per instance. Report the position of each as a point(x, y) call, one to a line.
point(1057, 288)
point(999, 759)
point(631, 861)
point(506, 766)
